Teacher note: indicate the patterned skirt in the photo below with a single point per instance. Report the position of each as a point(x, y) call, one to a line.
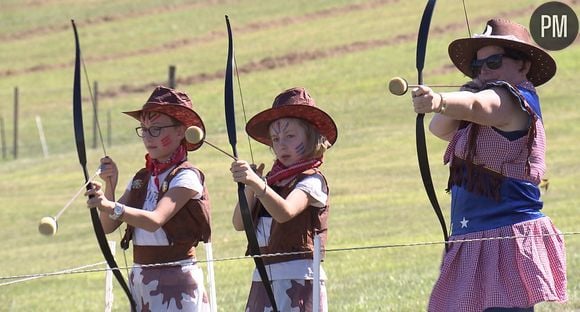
point(169, 288)
point(506, 273)
point(290, 295)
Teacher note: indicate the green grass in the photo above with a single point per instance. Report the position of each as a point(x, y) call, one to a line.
point(377, 195)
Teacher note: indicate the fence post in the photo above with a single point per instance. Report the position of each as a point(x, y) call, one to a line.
point(15, 147)
point(171, 81)
point(109, 128)
point(210, 276)
point(2, 137)
point(95, 112)
point(109, 297)
point(316, 268)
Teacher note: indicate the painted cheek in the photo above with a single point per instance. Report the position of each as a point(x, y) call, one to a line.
point(166, 141)
point(300, 149)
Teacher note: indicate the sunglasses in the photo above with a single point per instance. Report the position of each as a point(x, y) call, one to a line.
point(492, 62)
point(153, 131)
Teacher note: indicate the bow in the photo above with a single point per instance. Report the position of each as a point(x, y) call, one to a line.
point(80, 144)
point(422, 156)
point(244, 209)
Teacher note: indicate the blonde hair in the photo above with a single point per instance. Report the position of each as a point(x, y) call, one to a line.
point(316, 144)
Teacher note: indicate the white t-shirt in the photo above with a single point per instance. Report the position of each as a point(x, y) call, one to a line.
point(185, 178)
point(316, 188)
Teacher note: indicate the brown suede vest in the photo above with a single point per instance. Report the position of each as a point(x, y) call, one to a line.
point(297, 234)
point(184, 231)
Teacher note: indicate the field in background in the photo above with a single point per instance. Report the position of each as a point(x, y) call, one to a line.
point(344, 52)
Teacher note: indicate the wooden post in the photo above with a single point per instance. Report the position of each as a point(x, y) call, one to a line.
point(171, 81)
point(109, 128)
point(95, 112)
point(3, 137)
point(15, 147)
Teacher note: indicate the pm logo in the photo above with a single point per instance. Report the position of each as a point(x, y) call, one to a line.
point(554, 25)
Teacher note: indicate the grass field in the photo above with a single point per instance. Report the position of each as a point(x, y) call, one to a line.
point(344, 52)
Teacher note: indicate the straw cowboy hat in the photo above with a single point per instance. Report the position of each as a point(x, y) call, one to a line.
point(175, 104)
point(292, 103)
point(506, 34)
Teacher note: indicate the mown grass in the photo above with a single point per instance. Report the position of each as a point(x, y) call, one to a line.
point(377, 195)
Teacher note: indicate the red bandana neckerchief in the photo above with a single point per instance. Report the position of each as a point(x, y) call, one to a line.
point(279, 172)
point(156, 167)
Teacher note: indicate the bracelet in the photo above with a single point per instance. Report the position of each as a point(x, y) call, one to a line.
point(442, 105)
point(264, 190)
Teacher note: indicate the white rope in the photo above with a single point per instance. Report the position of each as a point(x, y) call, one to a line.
point(24, 278)
point(81, 270)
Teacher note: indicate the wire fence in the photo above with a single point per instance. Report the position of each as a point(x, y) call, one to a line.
point(9, 280)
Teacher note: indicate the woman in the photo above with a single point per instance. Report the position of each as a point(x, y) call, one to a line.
point(496, 154)
point(166, 208)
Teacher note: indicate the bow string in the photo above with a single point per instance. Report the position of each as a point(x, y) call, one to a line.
point(81, 151)
point(249, 228)
point(422, 155)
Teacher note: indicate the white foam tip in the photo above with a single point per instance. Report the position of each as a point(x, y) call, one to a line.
point(47, 226)
point(194, 135)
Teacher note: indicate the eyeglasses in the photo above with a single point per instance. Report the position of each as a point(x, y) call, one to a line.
point(153, 131)
point(492, 62)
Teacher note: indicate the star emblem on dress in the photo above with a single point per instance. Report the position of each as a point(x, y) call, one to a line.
point(464, 223)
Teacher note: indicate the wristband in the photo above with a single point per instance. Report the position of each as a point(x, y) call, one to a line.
point(264, 190)
point(442, 104)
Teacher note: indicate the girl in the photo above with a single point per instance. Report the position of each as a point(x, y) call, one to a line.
point(290, 205)
point(166, 207)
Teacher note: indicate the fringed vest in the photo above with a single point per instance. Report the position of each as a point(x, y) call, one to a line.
point(494, 180)
point(184, 230)
point(297, 234)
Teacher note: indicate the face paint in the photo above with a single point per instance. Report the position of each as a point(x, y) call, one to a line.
point(288, 140)
point(166, 141)
point(300, 149)
point(149, 117)
point(280, 126)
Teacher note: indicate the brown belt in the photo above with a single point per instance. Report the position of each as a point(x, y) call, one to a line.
point(162, 254)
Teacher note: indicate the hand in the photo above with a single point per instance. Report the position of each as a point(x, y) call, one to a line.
point(258, 169)
point(425, 100)
point(97, 199)
point(243, 172)
point(109, 172)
